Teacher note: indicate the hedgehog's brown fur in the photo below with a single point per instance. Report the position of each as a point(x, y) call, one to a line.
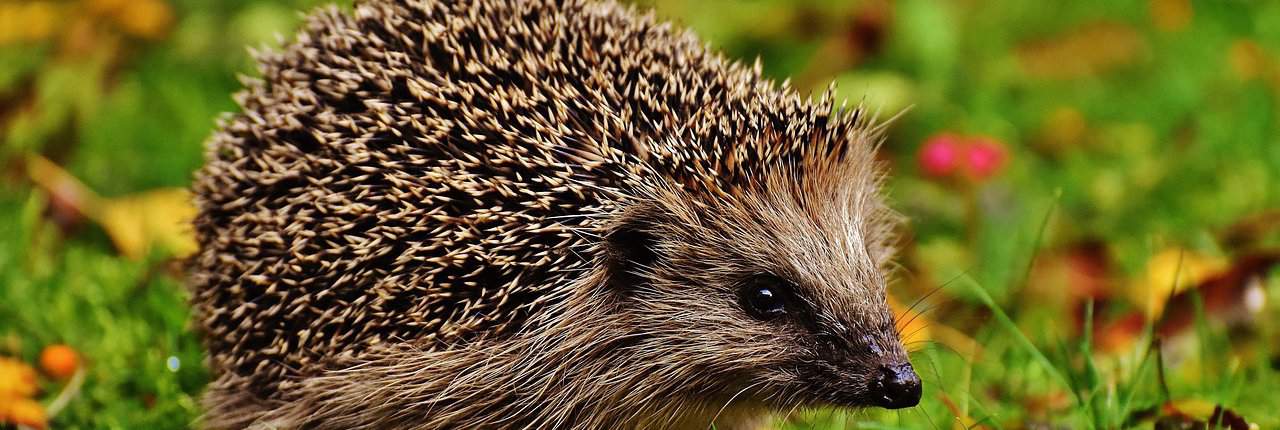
point(482, 213)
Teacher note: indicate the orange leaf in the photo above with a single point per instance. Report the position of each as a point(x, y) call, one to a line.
point(913, 327)
point(916, 330)
point(22, 411)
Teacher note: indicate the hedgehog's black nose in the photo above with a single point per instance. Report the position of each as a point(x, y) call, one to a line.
point(897, 387)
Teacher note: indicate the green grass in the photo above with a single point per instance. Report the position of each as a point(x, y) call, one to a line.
point(1177, 140)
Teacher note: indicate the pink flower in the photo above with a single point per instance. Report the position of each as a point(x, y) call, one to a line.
point(984, 157)
point(940, 155)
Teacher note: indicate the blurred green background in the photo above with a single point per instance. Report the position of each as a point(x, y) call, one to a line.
point(1093, 189)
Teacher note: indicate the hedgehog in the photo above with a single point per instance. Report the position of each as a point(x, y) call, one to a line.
point(440, 214)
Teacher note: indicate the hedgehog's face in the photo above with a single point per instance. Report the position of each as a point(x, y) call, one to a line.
point(774, 298)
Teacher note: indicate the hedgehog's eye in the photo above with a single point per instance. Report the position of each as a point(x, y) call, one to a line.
point(764, 297)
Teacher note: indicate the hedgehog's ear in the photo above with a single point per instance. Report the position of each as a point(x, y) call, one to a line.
point(630, 253)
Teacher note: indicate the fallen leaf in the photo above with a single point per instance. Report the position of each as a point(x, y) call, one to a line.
point(962, 420)
point(1247, 60)
point(140, 221)
point(105, 7)
point(136, 223)
point(1171, 15)
point(28, 22)
point(1186, 413)
point(1088, 50)
point(1229, 296)
point(1169, 272)
point(22, 411)
point(1227, 419)
point(913, 328)
point(916, 330)
point(148, 19)
point(17, 379)
point(1189, 407)
point(1117, 334)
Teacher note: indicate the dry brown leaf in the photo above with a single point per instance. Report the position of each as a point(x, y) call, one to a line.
point(1085, 51)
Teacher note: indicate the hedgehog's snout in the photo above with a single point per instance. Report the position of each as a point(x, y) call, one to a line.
point(896, 386)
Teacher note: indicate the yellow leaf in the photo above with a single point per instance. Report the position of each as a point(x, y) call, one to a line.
point(154, 218)
point(148, 19)
point(17, 379)
point(1192, 407)
point(28, 21)
point(135, 223)
point(1184, 267)
point(105, 7)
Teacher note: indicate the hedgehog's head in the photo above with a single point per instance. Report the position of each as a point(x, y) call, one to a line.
point(770, 291)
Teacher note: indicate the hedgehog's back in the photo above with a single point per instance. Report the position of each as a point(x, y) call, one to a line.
point(417, 173)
